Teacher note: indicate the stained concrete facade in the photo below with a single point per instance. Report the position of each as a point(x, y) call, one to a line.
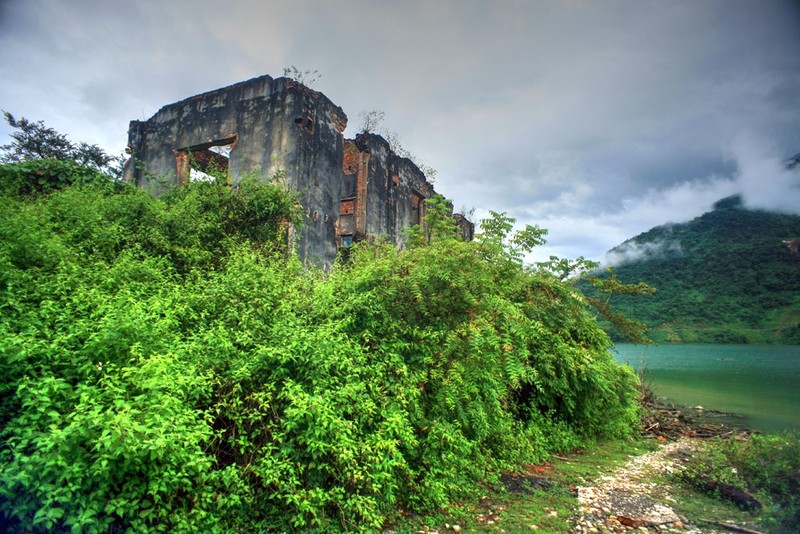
point(382, 194)
point(350, 189)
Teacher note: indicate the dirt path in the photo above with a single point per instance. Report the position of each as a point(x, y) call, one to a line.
point(628, 500)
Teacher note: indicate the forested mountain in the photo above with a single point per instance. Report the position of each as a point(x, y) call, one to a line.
point(731, 275)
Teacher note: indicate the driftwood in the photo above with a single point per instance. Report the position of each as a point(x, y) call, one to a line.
point(731, 527)
point(670, 422)
point(737, 496)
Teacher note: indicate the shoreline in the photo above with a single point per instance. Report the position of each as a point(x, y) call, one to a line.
point(670, 421)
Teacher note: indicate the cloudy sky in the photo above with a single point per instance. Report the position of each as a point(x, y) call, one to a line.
point(595, 119)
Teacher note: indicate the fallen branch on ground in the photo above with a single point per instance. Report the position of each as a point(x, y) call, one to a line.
point(731, 526)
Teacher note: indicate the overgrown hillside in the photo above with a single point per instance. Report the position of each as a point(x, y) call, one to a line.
point(724, 277)
point(168, 365)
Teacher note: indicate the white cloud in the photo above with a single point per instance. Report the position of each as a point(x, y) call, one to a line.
point(763, 179)
point(631, 251)
point(593, 234)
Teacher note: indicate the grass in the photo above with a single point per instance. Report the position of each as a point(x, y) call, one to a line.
point(765, 467)
point(694, 504)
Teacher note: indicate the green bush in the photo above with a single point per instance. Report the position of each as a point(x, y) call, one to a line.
point(168, 365)
point(39, 176)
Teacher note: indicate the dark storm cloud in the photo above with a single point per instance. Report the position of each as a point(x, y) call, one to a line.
point(597, 120)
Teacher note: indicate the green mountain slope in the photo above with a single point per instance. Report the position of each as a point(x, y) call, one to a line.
point(728, 276)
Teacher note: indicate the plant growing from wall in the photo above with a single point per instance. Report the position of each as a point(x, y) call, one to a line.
point(305, 77)
point(371, 120)
point(371, 123)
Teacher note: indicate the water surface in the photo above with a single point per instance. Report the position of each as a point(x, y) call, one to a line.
point(760, 382)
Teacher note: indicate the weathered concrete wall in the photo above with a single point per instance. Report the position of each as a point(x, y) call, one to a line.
point(386, 193)
point(350, 189)
point(466, 226)
point(410, 193)
point(276, 124)
point(374, 201)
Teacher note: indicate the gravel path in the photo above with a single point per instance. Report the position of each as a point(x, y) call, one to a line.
point(625, 500)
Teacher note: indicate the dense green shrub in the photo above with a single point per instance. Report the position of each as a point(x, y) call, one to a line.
point(167, 364)
point(46, 175)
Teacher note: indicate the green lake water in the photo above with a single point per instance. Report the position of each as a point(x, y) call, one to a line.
point(759, 382)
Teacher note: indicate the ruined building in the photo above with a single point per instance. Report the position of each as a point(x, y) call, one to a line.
point(350, 189)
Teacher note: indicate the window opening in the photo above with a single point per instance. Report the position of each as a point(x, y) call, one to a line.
point(305, 122)
point(417, 207)
point(206, 162)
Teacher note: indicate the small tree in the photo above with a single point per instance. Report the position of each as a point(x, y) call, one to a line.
point(439, 223)
point(34, 140)
point(633, 331)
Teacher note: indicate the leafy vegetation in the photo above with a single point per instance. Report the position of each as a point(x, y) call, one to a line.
point(725, 277)
point(33, 140)
point(768, 466)
point(168, 365)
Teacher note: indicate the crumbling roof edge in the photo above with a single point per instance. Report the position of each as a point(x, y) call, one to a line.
point(275, 85)
point(211, 92)
point(363, 140)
